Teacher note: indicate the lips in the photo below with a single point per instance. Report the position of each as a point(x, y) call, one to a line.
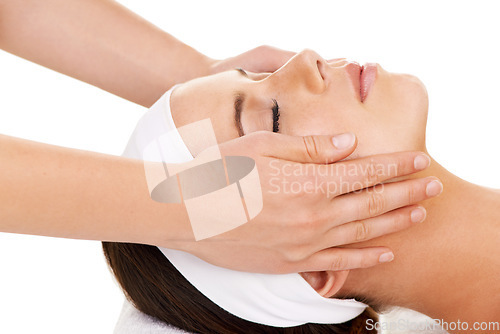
point(366, 79)
point(354, 71)
point(362, 77)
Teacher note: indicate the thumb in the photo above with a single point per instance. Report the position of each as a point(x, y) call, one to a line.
point(264, 59)
point(303, 149)
point(273, 58)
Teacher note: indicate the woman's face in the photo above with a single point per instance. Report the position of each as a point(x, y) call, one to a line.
point(313, 96)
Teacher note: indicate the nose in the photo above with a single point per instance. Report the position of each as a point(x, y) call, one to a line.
point(305, 70)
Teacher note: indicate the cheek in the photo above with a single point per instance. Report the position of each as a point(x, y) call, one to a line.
point(399, 97)
point(327, 115)
point(393, 119)
point(410, 116)
point(396, 117)
point(313, 123)
point(412, 98)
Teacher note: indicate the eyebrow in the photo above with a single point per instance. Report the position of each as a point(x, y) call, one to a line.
point(238, 106)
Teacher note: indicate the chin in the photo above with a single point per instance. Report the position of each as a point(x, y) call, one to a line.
point(400, 115)
point(413, 93)
point(416, 90)
point(412, 106)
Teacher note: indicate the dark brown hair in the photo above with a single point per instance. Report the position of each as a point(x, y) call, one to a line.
point(153, 285)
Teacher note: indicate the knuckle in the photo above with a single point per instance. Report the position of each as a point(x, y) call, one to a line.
point(265, 135)
point(396, 222)
point(296, 254)
point(399, 167)
point(362, 231)
point(318, 217)
point(394, 166)
point(399, 222)
point(339, 262)
point(309, 53)
point(297, 192)
point(290, 256)
point(311, 147)
point(311, 221)
point(412, 193)
point(376, 203)
point(372, 175)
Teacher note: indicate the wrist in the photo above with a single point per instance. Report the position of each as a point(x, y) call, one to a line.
point(170, 226)
point(196, 64)
point(211, 65)
point(216, 66)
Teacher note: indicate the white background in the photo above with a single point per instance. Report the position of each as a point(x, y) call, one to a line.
point(50, 285)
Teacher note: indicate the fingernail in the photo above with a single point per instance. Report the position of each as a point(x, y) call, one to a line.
point(343, 141)
point(418, 215)
point(386, 257)
point(422, 161)
point(434, 188)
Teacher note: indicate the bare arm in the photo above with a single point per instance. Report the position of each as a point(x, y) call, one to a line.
point(48, 190)
point(62, 192)
point(99, 42)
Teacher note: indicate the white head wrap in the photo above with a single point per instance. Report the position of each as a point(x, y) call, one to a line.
point(273, 300)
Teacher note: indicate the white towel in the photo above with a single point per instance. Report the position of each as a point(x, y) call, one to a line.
point(133, 321)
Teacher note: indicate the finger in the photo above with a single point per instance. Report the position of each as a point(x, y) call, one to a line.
point(260, 59)
point(332, 180)
point(366, 172)
point(367, 229)
point(344, 259)
point(336, 60)
point(383, 198)
point(306, 149)
point(332, 60)
point(271, 59)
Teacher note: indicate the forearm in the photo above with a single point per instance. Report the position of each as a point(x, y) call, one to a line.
point(99, 42)
point(60, 192)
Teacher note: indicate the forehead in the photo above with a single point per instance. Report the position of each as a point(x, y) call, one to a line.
point(208, 97)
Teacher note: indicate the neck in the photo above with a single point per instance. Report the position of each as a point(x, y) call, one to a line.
point(446, 267)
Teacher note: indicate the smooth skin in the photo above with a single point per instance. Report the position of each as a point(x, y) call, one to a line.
point(61, 192)
point(310, 108)
point(447, 267)
point(108, 46)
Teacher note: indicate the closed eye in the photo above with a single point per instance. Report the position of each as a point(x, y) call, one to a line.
point(238, 102)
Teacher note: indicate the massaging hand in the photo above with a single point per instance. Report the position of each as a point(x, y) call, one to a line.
point(260, 59)
point(300, 227)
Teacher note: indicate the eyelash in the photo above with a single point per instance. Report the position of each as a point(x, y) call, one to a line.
point(276, 116)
